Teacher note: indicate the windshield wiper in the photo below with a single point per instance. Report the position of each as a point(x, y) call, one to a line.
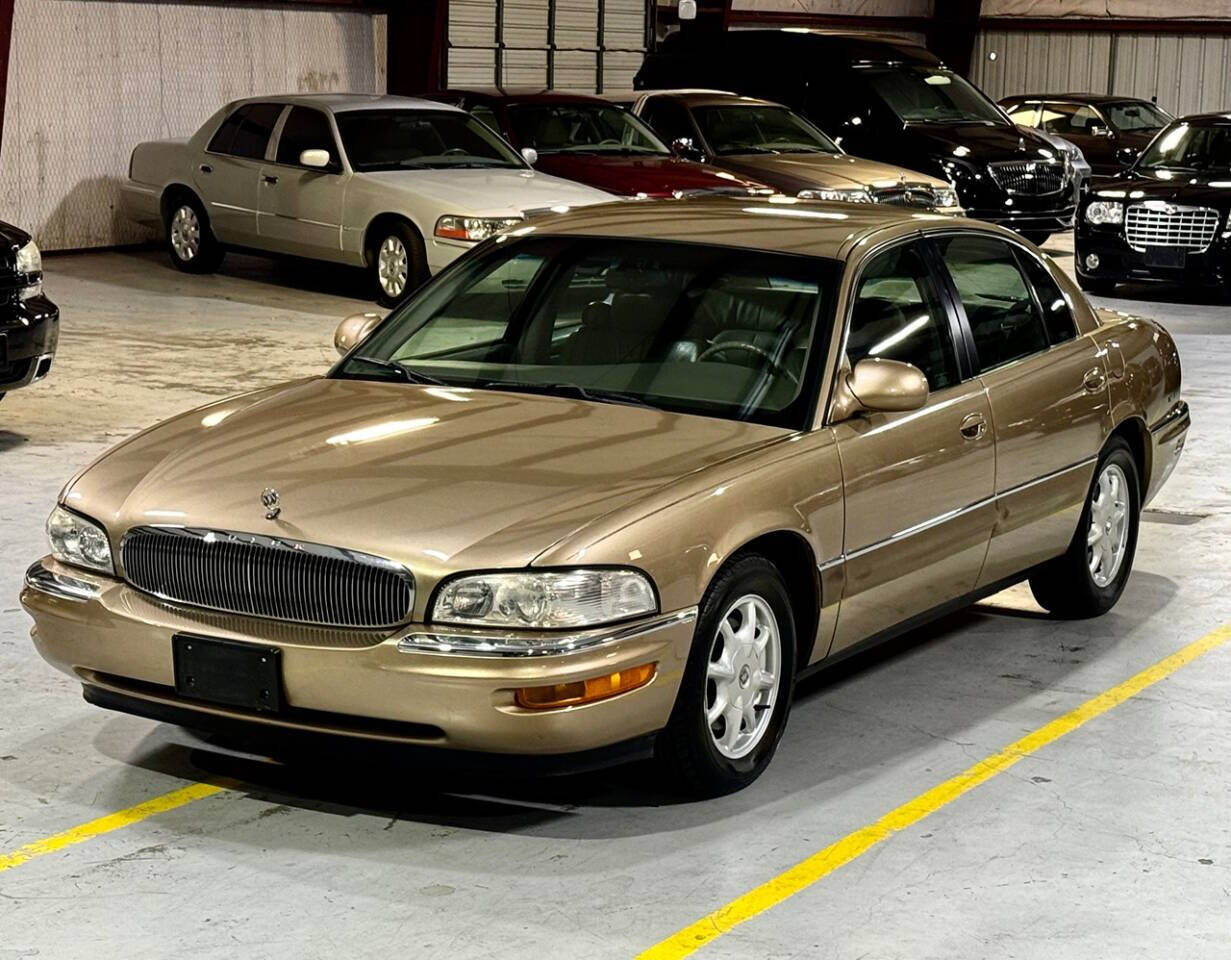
point(569, 389)
point(403, 371)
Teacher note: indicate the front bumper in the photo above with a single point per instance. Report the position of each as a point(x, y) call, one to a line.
point(1055, 219)
point(29, 334)
point(117, 642)
point(1120, 263)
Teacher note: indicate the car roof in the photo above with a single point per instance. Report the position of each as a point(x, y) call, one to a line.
point(343, 102)
point(1093, 98)
point(704, 98)
point(779, 224)
point(1216, 116)
point(524, 95)
point(845, 47)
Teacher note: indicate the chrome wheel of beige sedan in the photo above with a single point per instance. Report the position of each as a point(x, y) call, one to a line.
point(1108, 532)
point(743, 676)
point(185, 233)
point(391, 267)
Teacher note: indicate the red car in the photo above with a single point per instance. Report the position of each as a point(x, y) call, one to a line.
point(594, 142)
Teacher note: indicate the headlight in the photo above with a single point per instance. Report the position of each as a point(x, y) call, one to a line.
point(79, 541)
point(1103, 211)
point(29, 260)
point(841, 194)
point(473, 228)
point(945, 197)
point(548, 599)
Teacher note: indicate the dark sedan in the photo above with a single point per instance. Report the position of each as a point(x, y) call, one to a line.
point(29, 322)
point(1110, 131)
point(1165, 218)
point(594, 142)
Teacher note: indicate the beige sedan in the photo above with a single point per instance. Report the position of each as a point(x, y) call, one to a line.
point(610, 485)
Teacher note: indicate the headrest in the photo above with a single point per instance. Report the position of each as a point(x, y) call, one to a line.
point(629, 278)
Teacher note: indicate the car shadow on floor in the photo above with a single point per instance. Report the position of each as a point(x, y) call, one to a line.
point(8, 439)
point(851, 723)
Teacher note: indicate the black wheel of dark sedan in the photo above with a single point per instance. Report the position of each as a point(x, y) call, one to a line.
point(733, 702)
point(1089, 578)
point(190, 241)
point(1099, 286)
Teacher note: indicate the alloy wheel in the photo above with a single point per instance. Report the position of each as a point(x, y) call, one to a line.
point(1109, 525)
point(186, 233)
point(391, 266)
point(743, 676)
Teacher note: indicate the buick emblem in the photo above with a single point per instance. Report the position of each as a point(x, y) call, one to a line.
point(272, 503)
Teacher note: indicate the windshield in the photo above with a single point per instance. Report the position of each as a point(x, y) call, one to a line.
point(752, 129)
point(420, 139)
point(1135, 115)
point(1195, 146)
point(931, 95)
point(716, 331)
point(582, 128)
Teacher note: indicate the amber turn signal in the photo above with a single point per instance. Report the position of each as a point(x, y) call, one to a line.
point(585, 691)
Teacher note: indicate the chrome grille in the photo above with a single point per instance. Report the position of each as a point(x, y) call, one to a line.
point(1035, 178)
point(270, 577)
point(906, 195)
point(1168, 225)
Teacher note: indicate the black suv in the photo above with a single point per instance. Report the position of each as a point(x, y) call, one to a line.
point(29, 322)
point(887, 100)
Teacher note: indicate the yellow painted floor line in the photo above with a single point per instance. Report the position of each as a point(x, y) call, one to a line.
point(826, 861)
point(110, 822)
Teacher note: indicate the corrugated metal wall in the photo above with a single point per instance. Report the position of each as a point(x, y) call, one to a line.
point(474, 42)
point(1188, 73)
point(88, 81)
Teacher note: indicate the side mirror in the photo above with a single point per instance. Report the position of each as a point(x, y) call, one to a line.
point(318, 159)
point(877, 385)
point(354, 330)
point(1097, 131)
point(684, 148)
point(530, 155)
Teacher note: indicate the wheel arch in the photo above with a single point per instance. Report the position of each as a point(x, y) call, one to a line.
point(1134, 432)
point(372, 230)
point(795, 559)
point(174, 190)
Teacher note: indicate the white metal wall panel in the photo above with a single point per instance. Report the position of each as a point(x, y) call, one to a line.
point(1188, 73)
point(88, 81)
point(525, 57)
point(1042, 62)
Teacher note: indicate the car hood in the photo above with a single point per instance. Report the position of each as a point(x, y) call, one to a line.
point(653, 176)
point(796, 171)
point(1208, 189)
point(983, 142)
point(489, 192)
point(438, 479)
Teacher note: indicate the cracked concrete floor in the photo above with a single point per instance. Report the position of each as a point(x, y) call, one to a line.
point(1112, 842)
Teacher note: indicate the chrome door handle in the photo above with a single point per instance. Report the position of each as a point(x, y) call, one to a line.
point(205, 168)
point(973, 426)
point(268, 179)
point(1094, 380)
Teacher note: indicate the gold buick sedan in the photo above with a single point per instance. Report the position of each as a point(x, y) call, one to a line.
point(609, 485)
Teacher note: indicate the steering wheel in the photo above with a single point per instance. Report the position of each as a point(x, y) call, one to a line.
point(775, 365)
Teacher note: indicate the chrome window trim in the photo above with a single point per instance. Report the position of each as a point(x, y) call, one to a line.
point(937, 520)
point(460, 643)
point(60, 585)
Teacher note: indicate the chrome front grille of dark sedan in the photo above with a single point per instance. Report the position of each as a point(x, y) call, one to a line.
point(1035, 178)
point(261, 576)
point(1169, 225)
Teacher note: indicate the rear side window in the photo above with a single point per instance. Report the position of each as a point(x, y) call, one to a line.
point(1025, 114)
point(485, 115)
point(305, 129)
point(246, 132)
point(1057, 316)
point(898, 316)
point(1065, 118)
point(999, 306)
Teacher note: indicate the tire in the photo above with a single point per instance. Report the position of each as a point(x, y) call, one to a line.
point(688, 749)
point(397, 262)
point(1037, 237)
point(1071, 586)
point(1096, 285)
point(191, 243)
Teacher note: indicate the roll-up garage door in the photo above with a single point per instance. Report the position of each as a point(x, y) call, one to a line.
point(581, 45)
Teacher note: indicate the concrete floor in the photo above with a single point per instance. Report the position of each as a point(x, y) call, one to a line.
point(1114, 842)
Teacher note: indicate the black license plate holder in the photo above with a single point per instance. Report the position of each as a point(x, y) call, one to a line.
point(1173, 258)
point(228, 672)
